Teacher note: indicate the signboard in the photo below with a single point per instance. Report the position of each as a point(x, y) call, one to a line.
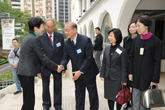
point(8, 33)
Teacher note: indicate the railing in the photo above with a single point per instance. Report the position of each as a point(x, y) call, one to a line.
point(6, 78)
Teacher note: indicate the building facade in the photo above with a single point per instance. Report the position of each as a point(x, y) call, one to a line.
point(108, 14)
point(62, 10)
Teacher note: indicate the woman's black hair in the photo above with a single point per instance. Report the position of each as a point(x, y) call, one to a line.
point(117, 33)
point(34, 22)
point(144, 19)
point(129, 27)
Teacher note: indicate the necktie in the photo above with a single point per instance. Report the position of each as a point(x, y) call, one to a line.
point(74, 47)
point(50, 39)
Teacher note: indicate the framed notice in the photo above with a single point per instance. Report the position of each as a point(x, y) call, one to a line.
point(8, 33)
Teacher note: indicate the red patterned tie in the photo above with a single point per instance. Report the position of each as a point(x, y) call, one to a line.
point(50, 39)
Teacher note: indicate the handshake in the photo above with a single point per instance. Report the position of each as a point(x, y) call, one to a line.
point(60, 68)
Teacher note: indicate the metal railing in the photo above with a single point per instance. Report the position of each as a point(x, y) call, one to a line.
point(6, 78)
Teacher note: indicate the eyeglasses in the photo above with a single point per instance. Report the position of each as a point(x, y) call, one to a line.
point(67, 30)
point(49, 27)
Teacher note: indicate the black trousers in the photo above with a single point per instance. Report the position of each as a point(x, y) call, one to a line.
point(80, 88)
point(57, 90)
point(111, 105)
point(27, 84)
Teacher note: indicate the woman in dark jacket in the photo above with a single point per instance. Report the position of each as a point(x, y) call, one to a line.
point(127, 44)
point(113, 70)
point(144, 61)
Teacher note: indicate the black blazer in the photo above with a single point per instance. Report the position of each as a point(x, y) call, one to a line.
point(83, 61)
point(145, 68)
point(30, 53)
point(53, 52)
point(98, 43)
point(116, 69)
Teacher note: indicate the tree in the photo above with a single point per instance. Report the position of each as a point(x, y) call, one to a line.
point(19, 16)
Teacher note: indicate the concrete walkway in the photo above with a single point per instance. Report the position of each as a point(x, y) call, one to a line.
point(14, 102)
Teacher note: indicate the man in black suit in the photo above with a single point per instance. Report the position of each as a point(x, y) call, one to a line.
point(31, 52)
point(79, 49)
point(53, 44)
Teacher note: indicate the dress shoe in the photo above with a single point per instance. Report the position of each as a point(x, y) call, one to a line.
point(59, 109)
point(17, 92)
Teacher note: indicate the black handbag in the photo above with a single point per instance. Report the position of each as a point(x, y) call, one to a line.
point(153, 98)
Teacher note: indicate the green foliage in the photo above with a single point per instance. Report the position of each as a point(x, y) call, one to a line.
point(19, 16)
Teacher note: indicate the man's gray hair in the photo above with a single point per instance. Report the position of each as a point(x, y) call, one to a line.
point(50, 19)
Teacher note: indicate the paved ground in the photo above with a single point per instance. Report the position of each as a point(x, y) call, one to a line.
point(14, 102)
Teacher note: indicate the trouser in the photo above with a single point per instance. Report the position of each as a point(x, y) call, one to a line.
point(16, 79)
point(57, 90)
point(80, 88)
point(97, 55)
point(111, 105)
point(137, 100)
point(27, 83)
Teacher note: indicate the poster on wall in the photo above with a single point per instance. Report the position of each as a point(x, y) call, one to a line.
point(8, 33)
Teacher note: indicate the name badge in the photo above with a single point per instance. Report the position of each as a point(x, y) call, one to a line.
point(141, 51)
point(15, 61)
point(58, 44)
point(118, 51)
point(79, 51)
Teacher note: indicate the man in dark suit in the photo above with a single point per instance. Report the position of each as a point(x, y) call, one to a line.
point(31, 52)
point(53, 44)
point(79, 49)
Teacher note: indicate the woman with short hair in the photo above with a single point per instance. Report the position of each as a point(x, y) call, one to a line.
point(113, 71)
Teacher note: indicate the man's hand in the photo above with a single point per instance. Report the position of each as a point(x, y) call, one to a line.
point(39, 75)
point(60, 67)
point(15, 66)
point(77, 74)
point(130, 76)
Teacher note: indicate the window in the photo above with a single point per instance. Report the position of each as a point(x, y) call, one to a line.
point(41, 7)
point(29, 5)
point(36, 6)
point(36, 0)
point(29, 11)
point(106, 26)
point(50, 8)
point(25, 0)
point(47, 8)
point(36, 11)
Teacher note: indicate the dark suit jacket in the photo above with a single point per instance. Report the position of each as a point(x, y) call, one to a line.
point(98, 46)
point(30, 53)
point(53, 52)
point(83, 61)
point(116, 69)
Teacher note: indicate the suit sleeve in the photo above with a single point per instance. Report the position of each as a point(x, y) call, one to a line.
point(65, 58)
point(157, 59)
point(102, 73)
point(99, 40)
point(88, 57)
point(124, 73)
point(44, 59)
